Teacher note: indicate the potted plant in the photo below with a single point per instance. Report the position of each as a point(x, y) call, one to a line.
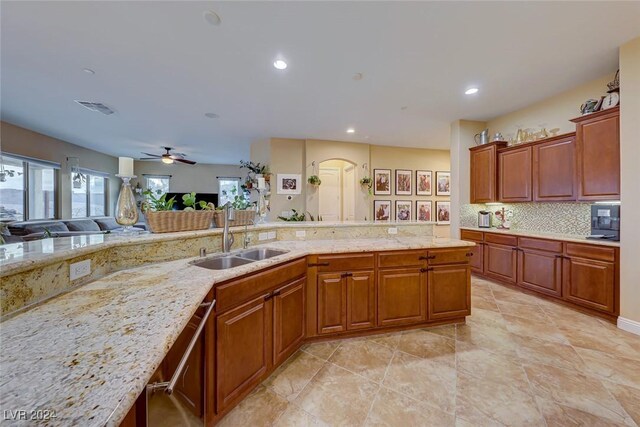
point(314, 180)
point(255, 170)
point(245, 211)
point(367, 183)
point(161, 218)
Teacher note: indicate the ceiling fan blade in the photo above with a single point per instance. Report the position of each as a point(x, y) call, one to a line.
point(189, 162)
point(152, 155)
point(148, 158)
point(175, 156)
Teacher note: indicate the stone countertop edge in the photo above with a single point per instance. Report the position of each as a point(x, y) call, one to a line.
point(552, 236)
point(89, 353)
point(78, 246)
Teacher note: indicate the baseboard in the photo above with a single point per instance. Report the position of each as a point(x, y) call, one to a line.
point(629, 325)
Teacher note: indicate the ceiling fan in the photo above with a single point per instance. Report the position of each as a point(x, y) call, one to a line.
point(168, 157)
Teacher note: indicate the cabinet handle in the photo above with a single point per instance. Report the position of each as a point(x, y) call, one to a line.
point(423, 258)
point(469, 254)
point(559, 256)
point(268, 296)
point(347, 274)
point(319, 264)
point(431, 257)
point(276, 293)
point(424, 270)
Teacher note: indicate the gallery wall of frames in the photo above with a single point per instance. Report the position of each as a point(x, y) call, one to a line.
point(416, 186)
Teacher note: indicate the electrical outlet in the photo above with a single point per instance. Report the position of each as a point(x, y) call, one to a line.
point(393, 230)
point(79, 269)
point(263, 236)
point(272, 235)
point(301, 233)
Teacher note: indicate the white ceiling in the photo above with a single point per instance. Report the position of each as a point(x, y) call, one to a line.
point(161, 67)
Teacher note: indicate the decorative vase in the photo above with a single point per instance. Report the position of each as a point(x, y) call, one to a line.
point(126, 207)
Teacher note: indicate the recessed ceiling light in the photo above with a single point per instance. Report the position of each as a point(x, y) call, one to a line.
point(404, 108)
point(89, 71)
point(358, 76)
point(351, 130)
point(211, 115)
point(280, 64)
point(212, 18)
point(471, 91)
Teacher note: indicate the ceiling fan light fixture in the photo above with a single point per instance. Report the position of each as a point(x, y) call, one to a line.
point(167, 160)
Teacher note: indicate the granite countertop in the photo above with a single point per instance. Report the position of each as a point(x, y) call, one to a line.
point(553, 236)
point(89, 353)
point(16, 257)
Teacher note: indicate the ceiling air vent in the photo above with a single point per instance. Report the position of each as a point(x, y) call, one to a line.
point(96, 106)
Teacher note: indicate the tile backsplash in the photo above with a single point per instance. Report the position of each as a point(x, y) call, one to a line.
point(565, 218)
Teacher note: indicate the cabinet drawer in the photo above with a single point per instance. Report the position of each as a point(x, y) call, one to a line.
point(345, 262)
point(402, 259)
point(237, 291)
point(540, 244)
point(501, 239)
point(449, 256)
point(476, 236)
point(591, 252)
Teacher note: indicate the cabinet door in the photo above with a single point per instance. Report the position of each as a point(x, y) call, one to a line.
point(540, 271)
point(190, 385)
point(500, 262)
point(554, 177)
point(361, 300)
point(402, 296)
point(449, 291)
point(288, 319)
point(242, 350)
point(483, 174)
point(332, 303)
point(476, 260)
point(514, 176)
point(598, 143)
point(589, 283)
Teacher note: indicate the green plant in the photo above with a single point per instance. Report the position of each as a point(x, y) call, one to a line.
point(368, 183)
point(189, 201)
point(295, 216)
point(239, 201)
point(156, 201)
point(256, 168)
point(314, 180)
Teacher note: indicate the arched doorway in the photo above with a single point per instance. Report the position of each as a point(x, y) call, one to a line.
point(337, 193)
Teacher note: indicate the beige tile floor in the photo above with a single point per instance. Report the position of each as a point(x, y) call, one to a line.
point(519, 361)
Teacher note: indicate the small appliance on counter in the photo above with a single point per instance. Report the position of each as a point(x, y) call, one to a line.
point(484, 219)
point(605, 222)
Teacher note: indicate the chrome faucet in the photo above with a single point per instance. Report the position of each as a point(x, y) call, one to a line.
point(227, 237)
point(247, 240)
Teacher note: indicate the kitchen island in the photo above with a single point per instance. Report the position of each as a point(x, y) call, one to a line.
point(87, 355)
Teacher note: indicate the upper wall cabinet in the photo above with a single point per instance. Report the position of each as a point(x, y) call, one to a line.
point(514, 175)
point(598, 154)
point(484, 172)
point(554, 177)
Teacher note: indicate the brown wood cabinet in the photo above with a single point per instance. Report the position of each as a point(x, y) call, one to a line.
point(514, 175)
point(540, 271)
point(598, 155)
point(288, 319)
point(500, 257)
point(361, 300)
point(483, 163)
point(243, 348)
point(590, 283)
point(402, 296)
point(332, 303)
point(554, 177)
point(449, 291)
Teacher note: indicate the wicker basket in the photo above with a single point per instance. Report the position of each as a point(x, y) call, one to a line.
point(242, 217)
point(172, 221)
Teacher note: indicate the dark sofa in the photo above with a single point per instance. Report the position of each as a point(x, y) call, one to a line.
point(32, 230)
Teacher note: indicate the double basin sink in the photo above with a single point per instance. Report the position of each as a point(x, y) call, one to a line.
point(247, 256)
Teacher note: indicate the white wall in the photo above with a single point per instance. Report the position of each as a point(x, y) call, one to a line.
point(629, 181)
point(201, 177)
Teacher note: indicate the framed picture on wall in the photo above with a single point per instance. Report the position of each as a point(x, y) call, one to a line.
point(443, 212)
point(382, 182)
point(423, 183)
point(289, 183)
point(443, 183)
point(403, 182)
point(423, 210)
point(403, 210)
point(382, 210)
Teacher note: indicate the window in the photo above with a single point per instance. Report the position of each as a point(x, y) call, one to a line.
point(28, 188)
point(157, 183)
point(228, 189)
point(88, 194)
